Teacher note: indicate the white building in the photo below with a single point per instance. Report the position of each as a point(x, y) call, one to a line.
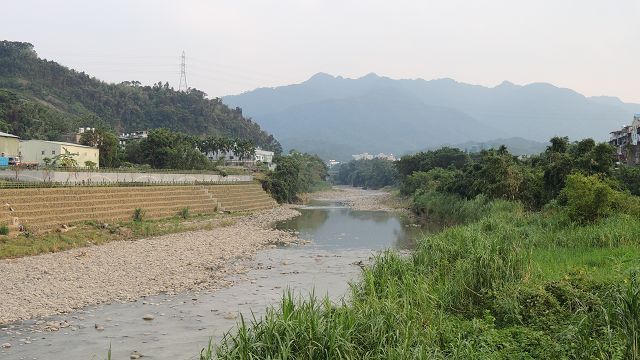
point(367, 156)
point(363, 156)
point(125, 138)
point(264, 156)
point(35, 151)
point(9, 145)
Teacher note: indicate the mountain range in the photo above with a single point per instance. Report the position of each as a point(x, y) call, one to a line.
point(336, 116)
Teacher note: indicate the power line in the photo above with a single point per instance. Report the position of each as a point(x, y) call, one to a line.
point(183, 75)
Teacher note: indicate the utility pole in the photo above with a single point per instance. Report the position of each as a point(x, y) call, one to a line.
point(183, 75)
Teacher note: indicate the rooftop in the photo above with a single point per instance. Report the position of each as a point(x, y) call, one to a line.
point(62, 143)
point(3, 134)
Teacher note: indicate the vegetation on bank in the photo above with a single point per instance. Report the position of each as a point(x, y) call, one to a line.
point(296, 173)
point(368, 174)
point(542, 262)
point(91, 233)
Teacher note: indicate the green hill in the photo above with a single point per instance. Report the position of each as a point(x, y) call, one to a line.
point(43, 99)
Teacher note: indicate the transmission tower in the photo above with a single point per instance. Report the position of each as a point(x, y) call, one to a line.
point(183, 75)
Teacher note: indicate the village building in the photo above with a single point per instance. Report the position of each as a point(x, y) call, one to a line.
point(36, 151)
point(627, 142)
point(9, 149)
point(126, 138)
point(9, 145)
point(363, 156)
point(367, 156)
point(229, 157)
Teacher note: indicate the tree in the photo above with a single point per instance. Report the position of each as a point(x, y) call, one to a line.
point(106, 142)
point(66, 159)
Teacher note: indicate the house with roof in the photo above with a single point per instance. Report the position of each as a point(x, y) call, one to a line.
point(9, 148)
point(627, 142)
point(9, 145)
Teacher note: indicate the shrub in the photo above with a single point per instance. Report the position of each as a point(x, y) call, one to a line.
point(449, 209)
point(138, 215)
point(4, 230)
point(587, 198)
point(184, 213)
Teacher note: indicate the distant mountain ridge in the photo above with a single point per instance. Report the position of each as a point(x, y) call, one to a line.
point(379, 114)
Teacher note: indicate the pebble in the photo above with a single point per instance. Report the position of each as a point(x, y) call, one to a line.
point(6, 345)
point(187, 264)
point(231, 315)
point(148, 317)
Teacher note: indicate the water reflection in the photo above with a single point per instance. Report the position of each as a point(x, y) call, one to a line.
point(334, 227)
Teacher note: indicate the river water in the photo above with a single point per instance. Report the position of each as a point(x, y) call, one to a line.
point(184, 323)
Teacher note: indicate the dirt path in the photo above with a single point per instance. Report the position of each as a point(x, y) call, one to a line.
point(127, 270)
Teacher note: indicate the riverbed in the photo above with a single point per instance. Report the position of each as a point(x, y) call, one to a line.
point(178, 326)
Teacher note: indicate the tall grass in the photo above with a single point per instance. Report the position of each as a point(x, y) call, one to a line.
point(493, 288)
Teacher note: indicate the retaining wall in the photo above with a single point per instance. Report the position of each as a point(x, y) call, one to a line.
point(96, 177)
point(40, 209)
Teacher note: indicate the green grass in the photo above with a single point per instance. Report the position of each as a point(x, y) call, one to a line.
point(91, 233)
point(509, 284)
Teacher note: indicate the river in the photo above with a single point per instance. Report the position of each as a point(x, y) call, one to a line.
point(341, 239)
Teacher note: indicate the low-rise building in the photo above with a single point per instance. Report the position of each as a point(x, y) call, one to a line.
point(367, 156)
point(9, 145)
point(230, 157)
point(36, 151)
point(9, 149)
point(264, 156)
point(363, 156)
point(125, 138)
point(627, 142)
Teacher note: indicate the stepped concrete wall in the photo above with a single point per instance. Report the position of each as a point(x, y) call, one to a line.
point(38, 209)
point(97, 177)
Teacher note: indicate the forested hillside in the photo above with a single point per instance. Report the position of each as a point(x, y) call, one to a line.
point(43, 99)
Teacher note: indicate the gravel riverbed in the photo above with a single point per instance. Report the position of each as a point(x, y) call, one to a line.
point(357, 198)
point(124, 271)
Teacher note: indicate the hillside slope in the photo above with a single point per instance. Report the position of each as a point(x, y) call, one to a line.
point(42, 99)
point(536, 111)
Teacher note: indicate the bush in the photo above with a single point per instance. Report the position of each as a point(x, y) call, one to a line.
point(587, 198)
point(4, 230)
point(138, 215)
point(449, 209)
point(184, 213)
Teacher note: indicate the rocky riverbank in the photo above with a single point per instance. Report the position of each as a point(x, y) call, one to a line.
point(123, 271)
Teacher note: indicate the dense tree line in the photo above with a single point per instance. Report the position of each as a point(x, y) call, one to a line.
point(579, 175)
point(164, 149)
point(42, 99)
point(370, 174)
point(294, 174)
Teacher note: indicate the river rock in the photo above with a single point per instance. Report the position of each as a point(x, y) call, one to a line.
point(148, 317)
point(231, 315)
point(6, 345)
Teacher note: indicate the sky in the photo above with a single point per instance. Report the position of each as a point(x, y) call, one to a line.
point(232, 46)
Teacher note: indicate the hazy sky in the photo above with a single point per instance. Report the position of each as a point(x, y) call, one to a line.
point(591, 46)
